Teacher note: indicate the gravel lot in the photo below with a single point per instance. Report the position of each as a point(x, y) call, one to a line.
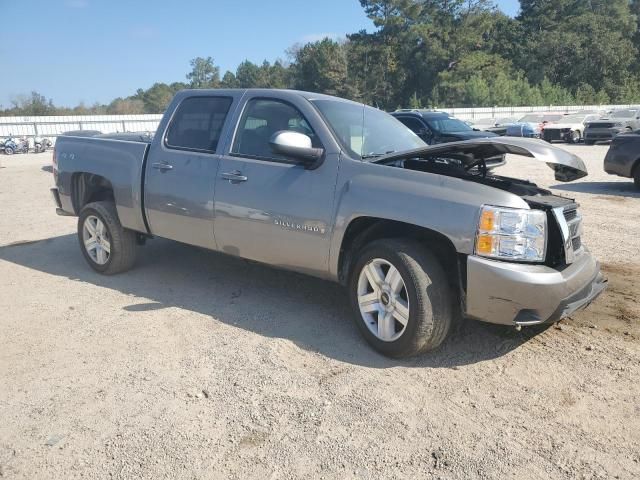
point(198, 365)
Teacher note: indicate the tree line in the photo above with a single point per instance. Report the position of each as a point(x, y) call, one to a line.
point(463, 53)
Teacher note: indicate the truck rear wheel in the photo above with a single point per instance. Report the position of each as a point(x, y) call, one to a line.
point(636, 176)
point(106, 245)
point(401, 298)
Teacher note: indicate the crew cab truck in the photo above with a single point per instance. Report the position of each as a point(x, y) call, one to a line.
point(419, 235)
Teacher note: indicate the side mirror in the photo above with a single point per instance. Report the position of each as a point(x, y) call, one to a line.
point(296, 146)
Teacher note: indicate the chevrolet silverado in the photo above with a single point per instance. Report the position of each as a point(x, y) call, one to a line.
point(420, 235)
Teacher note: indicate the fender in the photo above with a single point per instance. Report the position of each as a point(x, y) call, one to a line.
point(449, 206)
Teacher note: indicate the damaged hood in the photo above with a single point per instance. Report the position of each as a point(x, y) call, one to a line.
point(567, 166)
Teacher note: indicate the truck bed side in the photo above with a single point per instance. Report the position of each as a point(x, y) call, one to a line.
point(119, 164)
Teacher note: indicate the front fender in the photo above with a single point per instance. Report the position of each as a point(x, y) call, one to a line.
point(447, 205)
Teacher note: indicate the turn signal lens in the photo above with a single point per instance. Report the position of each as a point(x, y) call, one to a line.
point(487, 220)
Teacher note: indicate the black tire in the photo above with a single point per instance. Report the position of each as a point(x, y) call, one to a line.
point(122, 255)
point(574, 137)
point(9, 150)
point(429, 294)
point(636, 177)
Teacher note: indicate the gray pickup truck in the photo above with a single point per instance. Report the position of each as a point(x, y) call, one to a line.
point(421, 236)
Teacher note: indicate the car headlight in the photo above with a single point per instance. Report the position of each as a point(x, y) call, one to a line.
point(512, 234)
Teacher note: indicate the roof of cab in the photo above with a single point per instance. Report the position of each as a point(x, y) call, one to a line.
point(284, 92)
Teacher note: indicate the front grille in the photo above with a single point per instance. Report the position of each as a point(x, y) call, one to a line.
point(553, 134)
point(573, 241)
point(570, 213)
point(577, 243)
point(600, 125)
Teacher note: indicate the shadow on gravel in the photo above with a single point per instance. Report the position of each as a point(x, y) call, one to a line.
point(622, 189)
point(47, 168)
point(312, 313)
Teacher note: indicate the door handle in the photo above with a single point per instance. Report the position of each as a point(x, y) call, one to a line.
point(161, 166)
point(234, 177)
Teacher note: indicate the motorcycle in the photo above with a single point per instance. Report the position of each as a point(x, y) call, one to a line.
point(9, 146)
point(41, 144)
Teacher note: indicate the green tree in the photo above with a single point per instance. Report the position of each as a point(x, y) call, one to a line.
point(322, 67)
point(229, 80)
point(204, 73)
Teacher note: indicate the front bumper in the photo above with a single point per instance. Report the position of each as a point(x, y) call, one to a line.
point(518, 294)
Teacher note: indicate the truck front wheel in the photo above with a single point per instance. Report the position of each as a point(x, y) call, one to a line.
point(401, 297)
point(106, 245)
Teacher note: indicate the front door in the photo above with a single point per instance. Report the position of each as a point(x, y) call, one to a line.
point(269, 208)
point(181, 171)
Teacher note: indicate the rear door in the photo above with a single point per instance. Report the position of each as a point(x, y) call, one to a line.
point(269, 208)
point(181, 170)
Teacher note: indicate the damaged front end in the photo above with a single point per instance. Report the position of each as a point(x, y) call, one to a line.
point(514, 290)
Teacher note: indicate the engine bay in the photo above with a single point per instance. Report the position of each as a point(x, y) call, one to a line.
point(477, 171)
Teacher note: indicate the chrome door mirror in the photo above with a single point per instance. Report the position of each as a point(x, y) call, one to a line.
point(296, 146)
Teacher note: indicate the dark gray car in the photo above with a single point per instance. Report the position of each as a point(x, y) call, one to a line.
point(623, 157)
point(605, 129)
point(419, 235)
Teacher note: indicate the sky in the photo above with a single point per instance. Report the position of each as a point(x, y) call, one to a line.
point(97, 50)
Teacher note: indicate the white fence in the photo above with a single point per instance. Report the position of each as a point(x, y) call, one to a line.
point(52, 126)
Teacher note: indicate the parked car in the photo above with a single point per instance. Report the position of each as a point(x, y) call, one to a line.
point(570, 128)
point(439, 127)
point(531, 125)
point(345, 192)
point(605, 129)
point(494, 125)
point(623, 157)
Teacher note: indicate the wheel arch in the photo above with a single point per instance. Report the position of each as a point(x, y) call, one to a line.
point(89, 187)
point(364, 230)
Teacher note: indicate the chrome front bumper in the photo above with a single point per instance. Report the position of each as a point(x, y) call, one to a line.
point(516, 294)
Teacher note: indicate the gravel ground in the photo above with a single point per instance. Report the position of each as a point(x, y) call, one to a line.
point(199, 365)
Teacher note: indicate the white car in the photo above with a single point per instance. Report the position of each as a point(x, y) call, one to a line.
point(569, 128)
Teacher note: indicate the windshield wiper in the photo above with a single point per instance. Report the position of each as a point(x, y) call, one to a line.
point(376, 155)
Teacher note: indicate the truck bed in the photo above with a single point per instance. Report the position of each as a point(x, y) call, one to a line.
point(121, 161)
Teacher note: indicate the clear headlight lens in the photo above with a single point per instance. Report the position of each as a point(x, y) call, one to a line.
point(512, 234)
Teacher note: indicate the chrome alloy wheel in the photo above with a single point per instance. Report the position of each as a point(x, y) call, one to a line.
point(383, 300)
point(96, 240)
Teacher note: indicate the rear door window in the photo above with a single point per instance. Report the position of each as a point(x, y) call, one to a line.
point(197, 124)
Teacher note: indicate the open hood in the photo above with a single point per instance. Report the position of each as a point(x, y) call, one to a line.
point(567, 166)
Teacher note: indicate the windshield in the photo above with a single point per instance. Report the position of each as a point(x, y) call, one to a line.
point(448, 125)
point(365, 132)
point(574, 119)
point(531, 118)
point(486, 121)
point(624, 114)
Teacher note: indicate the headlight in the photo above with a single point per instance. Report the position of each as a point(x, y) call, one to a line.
point(512, 234)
